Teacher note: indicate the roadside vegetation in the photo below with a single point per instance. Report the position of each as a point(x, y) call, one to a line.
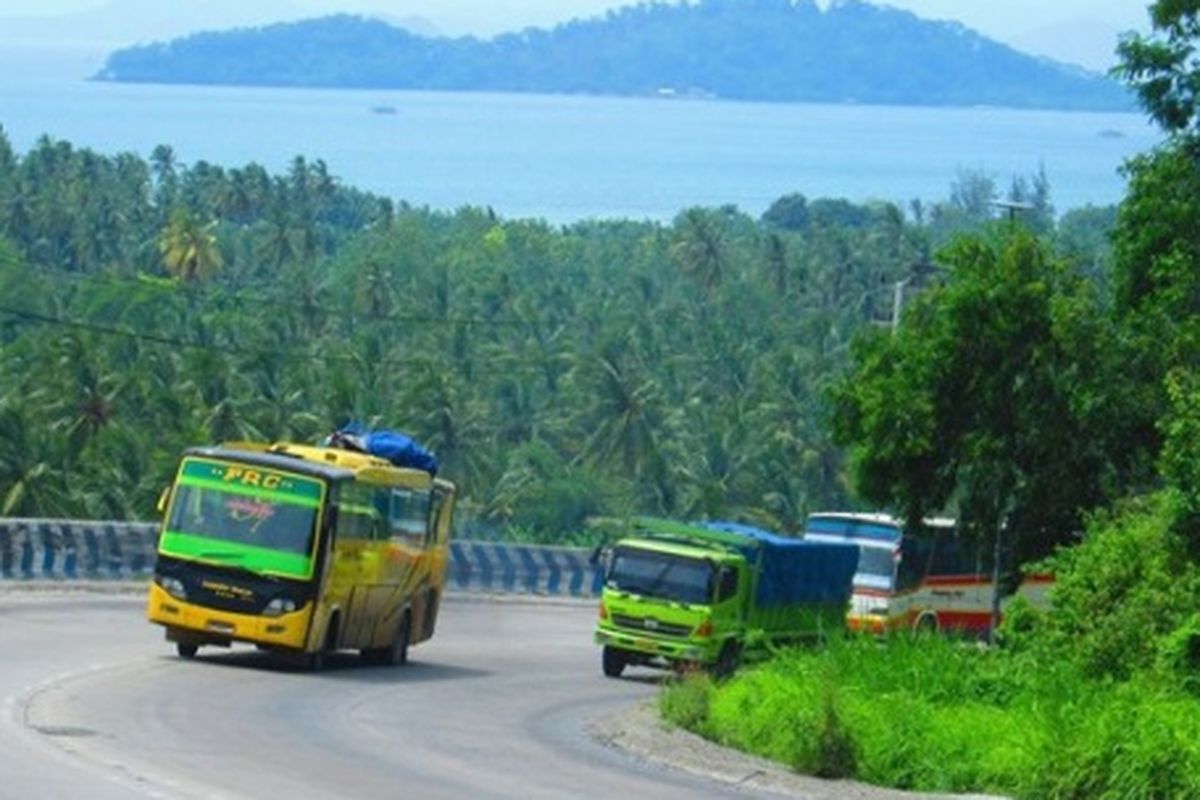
point(1099, 699)
point(1060, 413)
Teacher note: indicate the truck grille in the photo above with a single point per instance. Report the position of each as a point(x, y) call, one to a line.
point(650, 625)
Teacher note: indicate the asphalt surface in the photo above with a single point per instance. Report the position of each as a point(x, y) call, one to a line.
point(93, 703)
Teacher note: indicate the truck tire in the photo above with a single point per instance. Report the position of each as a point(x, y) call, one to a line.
point(186, 649)
point(613, 662)
point(728, 661)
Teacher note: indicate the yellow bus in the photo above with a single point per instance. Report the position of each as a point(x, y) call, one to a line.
point(301, 550)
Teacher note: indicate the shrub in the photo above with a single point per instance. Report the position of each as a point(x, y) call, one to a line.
point(1129, 584)
point(685, 702)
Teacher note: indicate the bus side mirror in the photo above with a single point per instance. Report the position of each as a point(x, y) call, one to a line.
point(164, 499)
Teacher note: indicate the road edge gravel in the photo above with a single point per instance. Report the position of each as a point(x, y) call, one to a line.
point(641, 733)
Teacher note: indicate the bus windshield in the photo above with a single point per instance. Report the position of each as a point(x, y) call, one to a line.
point(668, 577)
point(268, 525)
point(875, 566)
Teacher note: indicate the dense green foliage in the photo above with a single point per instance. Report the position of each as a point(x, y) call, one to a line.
point(1162, 67)
point(563, 375)
point(1097, 700)
point(778, 50)
point(990, 399)
point(560, 374)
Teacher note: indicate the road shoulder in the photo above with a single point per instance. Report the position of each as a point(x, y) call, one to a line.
point(641, 733)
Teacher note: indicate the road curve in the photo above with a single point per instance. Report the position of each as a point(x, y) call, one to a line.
point(96, 705)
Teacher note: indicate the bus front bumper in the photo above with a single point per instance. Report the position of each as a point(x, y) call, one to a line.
point(187, 622)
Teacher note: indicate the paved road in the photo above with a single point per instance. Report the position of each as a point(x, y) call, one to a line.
point(96, 705)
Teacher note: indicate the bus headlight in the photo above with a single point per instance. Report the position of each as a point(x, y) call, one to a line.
point(173, 587)
point(279, 606)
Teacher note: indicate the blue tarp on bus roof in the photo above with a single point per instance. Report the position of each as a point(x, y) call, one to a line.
point(397, 448)
point(795, 571)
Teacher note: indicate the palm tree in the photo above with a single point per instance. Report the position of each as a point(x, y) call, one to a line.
point(32, 480)
point(189, 247)
point(699, 247)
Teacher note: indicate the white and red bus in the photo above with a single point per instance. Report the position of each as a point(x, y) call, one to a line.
point(932, 579)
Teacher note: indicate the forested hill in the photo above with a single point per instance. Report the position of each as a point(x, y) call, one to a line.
point(772, 50)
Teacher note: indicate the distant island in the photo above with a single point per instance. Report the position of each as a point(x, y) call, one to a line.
point(764, 50)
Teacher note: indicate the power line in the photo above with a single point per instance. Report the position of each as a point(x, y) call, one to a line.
point(239, 298)
point(171, 341)
point(234, 350)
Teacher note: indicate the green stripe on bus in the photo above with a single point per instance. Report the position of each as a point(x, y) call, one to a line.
point(235, 554)
point(232, 475)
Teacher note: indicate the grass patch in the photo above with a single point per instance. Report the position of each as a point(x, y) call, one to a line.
point(929, 714)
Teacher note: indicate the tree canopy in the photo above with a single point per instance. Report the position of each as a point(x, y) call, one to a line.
point(983, 400)
point(561, 374)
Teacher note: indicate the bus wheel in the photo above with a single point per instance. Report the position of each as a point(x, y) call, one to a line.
point(316, 660)
point(399, 652)
point(612, 661)
point(926, 624)
point(431, 609)
point(186, 649)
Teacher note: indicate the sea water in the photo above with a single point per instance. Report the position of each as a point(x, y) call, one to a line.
point(566, 158)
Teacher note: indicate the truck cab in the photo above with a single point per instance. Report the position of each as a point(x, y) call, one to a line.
point(705, 595)
point(670, 603)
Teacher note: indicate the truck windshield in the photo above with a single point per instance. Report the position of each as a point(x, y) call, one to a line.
point(654, 574)
point(269, 527)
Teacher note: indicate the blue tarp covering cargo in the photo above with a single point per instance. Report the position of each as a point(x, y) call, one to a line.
point(795, 571)
point(399, 449)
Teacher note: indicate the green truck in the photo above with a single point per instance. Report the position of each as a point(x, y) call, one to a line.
point(710, 594)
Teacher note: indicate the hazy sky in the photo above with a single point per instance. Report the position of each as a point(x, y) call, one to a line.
point(1080, 31)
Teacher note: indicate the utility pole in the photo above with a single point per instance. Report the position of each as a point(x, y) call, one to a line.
point(1012, 207)
point(898, 302)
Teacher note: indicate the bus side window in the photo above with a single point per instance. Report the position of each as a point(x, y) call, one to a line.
point(409, 517)
point(947, 556)
point(358, 519)
point(915, 555)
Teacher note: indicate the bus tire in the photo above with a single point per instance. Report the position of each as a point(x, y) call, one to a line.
point(186, 650)
point(316, 660)
point(926, 623)
point(612, 662)
point(398, 654)
point(431, 609)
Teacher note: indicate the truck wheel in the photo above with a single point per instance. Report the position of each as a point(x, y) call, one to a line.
point(727, 662)
point(186, 649)
point(613, 662)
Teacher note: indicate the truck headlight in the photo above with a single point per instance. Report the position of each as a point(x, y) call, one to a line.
point(279, 606)
point(173, 587)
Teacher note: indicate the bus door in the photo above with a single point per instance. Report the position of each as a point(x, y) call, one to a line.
point(354, 560)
